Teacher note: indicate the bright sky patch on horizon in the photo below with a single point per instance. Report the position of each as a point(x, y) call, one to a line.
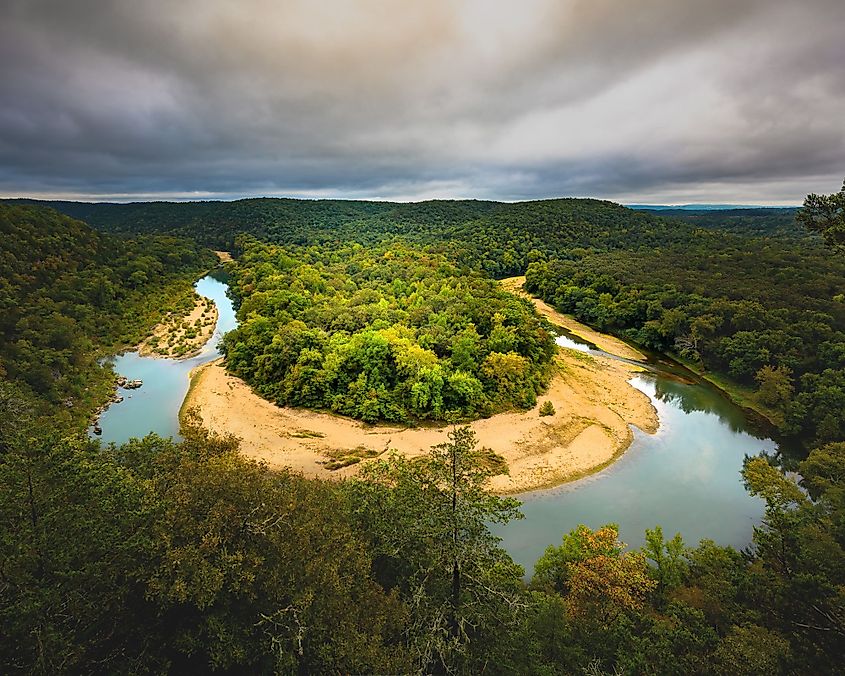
point(659, 101)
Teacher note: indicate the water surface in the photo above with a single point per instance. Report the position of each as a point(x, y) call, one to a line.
point(686, 477)
point(155, 406)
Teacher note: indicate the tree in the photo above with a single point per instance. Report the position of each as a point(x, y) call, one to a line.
point(775, 385)
point(668, 557)
point(595, 576)
point(427, 520)
point(825, 214)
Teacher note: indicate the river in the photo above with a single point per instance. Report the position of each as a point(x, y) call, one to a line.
point(685, 477)
point(155, 406)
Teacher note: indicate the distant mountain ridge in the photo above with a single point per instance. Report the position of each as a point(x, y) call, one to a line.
point(705, 207)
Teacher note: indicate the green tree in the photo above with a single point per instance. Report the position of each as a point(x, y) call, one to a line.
point(427, 520)
point(669, 557)
point(775, 385)
point(825, 214)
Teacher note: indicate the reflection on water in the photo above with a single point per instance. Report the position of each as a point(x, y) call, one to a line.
point(570, 340)
point(155, 406)
point(684, 478)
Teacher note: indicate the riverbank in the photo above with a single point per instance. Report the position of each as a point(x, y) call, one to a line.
point(740, 395)
point(595, 406)
point(603, 341)
point(181, 336)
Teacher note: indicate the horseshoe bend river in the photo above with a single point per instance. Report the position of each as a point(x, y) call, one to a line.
point(685, 477)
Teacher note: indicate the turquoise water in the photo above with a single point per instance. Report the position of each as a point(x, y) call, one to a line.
point(686, 477)
point(155, 406)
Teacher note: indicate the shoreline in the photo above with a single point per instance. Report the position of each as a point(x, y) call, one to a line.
point(604, 341)
point(202, 318)
point(595, 409)
point(732, 391)
point(594, 402)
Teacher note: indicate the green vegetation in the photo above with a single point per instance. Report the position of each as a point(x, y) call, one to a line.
point(501, 239)
point(765, 313)
point(346, 458)
point(184, 332)
point(548, 408)
point(825, 214)
point(70, 296)
point(384, 333)
point(163, 557)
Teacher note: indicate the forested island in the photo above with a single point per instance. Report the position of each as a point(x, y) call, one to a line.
point(162, 555)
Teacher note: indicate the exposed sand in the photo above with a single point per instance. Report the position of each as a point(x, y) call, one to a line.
point(224, 256)
point(593, 400)
point(169, 339)
point(602, 341)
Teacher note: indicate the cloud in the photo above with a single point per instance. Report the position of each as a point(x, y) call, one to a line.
point(730, 100)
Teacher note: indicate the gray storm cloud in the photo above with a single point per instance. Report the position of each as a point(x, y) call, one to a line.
point(658, 100)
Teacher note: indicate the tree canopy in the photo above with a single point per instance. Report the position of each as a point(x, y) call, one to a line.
point(386, 333)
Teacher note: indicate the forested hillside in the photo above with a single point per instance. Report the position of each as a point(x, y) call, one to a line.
point(748, 221)
point(70, 295)
point(497, 237)
point(768, 313)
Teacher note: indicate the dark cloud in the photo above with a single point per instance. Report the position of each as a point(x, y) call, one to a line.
point(660, 100)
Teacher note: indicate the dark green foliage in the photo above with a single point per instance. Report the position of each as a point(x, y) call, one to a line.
point(825, 214)
point(389, 333)
point(69, 296)
point(757, 222)
point(164, 557)
point(183, 558)
point(500, 238)
point(766, 313)
point(426, 522)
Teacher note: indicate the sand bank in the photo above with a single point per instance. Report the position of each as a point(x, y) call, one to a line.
point(604, 342)
point(594, 406)
point(182, 336)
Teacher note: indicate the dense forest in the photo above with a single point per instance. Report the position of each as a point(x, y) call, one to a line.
point(386, 333)
point(186, 557)
point(163, 557)
point(70, 296)
point(763, 312)
point(496, 237)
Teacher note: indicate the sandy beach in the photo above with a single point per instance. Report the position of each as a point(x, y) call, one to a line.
point(166, 337)
point(594, 403)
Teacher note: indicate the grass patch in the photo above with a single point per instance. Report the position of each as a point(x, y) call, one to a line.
point(345, 458)
point(492, 461)
point(306, 434)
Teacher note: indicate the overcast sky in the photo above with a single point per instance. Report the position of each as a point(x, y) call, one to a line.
point(654, 101)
